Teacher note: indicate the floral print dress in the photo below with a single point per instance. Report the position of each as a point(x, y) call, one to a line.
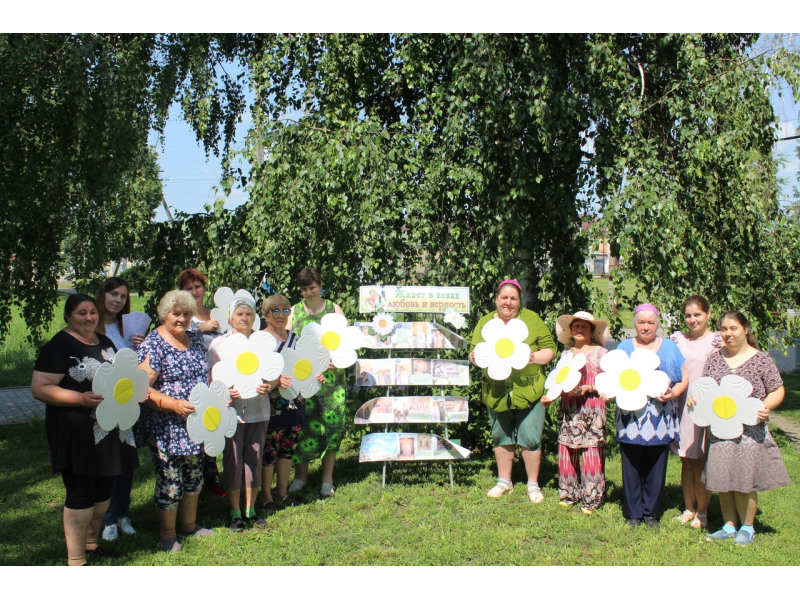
point(325, 411)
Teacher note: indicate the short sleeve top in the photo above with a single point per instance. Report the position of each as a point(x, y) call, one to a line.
point(178, 372)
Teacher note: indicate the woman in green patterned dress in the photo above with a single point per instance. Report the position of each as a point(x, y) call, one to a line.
point(325, 413)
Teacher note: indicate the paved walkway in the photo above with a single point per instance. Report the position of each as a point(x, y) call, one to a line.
point(17, 404)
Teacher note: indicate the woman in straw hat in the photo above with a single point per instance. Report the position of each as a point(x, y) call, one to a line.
point(582, 417)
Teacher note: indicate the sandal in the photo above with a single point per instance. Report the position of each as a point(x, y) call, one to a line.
point(686, 517)
point(168, 545)
point(535, 493)
point(500, 489)
point(700, 521)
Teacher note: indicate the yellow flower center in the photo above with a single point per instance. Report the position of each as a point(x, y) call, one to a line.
point(724, 407)
point(123, 391)
point(630, 379)
point(247, 363)
point(331, 340)
point(211, 418)
point(562, 374)
point(302, 369)
point(383, 323)
point(504, 347)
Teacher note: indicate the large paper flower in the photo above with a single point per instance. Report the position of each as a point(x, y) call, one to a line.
point(223, 298)
point(247, 362)
point(339, 339)
point(724, 407)
point(504, 348)
point(631, 379)
point(212, 420)
point(122, 387)
point(566, 375)
point(302, 363)
point(383, 323)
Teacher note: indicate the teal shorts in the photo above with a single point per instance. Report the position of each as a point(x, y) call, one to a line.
point(527, 424)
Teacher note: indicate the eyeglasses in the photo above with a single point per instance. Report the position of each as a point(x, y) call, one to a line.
point(277, 311)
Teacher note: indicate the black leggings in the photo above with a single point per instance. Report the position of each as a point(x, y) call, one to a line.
point(84, 491)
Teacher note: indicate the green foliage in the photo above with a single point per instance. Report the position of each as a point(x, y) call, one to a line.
point(74, 126)
point(685, 174)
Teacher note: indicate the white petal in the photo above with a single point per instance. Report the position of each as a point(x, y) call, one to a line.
point(333, 322)
point(631, 401)
point(734, 386)
point(606, 383)
point(493, 330)
point(654, 383)
point(343, 357)
point(644, 360)
point(499, 371)
point(521, 355)
point(578, 361)
point(614, 361)
point(483, 354)
point(516, 329)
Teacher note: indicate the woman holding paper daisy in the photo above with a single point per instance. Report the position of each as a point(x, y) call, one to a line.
point(113, 300)
point(739, 468)
point(582, 416)
point(515, 414)
point(645, 435)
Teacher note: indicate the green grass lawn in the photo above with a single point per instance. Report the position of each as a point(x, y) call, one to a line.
point(415, 520)
point(790, 407)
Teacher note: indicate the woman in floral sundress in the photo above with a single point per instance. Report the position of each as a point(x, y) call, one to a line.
point(323, 431)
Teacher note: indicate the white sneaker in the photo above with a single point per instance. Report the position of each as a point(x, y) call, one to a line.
point(125, 526)
point(110, 533)
point(327, 490)
point(297, 485)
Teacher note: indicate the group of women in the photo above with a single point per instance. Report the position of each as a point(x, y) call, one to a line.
point(273, 433)
point(735, 469)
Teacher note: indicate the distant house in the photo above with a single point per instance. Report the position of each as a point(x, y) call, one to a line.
point(599, 261)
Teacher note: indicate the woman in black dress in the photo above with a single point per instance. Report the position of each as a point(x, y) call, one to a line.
point(62, 379)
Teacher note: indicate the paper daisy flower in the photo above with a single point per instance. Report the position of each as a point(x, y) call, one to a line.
point(631, 379)
point(454, 318)
point(212, 420)
point(302, 363)
point(566, 375)
point(725, 407)
point(223, 298)
point(383, 323)
point(247, 362)
point(504, 348)
point(339, 339)
point(122, 387)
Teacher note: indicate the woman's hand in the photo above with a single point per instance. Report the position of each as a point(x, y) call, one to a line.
point(209, 326)
point(90, 399)
point(235, 394)
point(668, 395)
point(321, 378)
point(545, 400)
point(331, 366)
point(182, 408)
point(586, 389)
point(763, 413)
point(136, 339)
point(603, 398)
point(472, 357)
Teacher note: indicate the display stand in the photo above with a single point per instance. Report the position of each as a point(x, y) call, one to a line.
point(393, 372)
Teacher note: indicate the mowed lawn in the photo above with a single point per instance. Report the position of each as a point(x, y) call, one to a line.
point(415, 520)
